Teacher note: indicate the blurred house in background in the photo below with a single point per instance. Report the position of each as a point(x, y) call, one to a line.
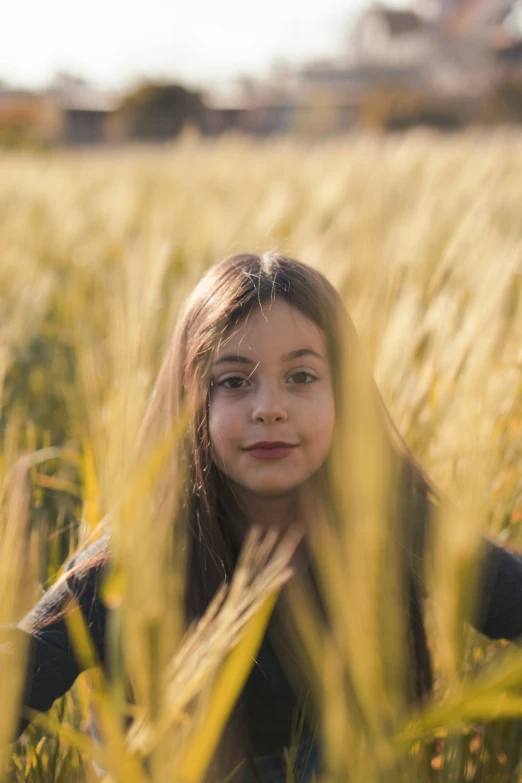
point(69, 112)
point(476, 18)
point(391, 37)
point(77, 112)
point(492, 26)
point(435, 62)
point(249, 106)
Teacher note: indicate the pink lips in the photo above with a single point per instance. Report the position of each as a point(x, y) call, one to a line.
point(270, 450)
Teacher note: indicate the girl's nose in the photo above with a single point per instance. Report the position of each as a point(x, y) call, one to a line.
point(268, 408)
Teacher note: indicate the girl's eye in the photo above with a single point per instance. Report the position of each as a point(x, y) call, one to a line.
point(234, 382)
point(304, 378)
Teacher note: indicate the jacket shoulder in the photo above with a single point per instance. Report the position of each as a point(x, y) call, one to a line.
point(499, 610)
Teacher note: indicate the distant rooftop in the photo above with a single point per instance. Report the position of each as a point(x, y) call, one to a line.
point(399, 21)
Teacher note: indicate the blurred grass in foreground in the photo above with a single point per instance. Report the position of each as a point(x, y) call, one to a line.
point(422, 236)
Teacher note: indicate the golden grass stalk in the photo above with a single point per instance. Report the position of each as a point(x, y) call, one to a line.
point(17, 573)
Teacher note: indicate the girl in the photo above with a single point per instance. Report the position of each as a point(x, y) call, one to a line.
point(258, 356)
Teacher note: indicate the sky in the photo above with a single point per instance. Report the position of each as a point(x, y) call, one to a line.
point(115, 43)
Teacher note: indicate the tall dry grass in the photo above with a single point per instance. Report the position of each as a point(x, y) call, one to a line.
point(422, 236)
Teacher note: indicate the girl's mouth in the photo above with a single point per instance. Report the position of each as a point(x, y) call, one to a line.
point(270, 452)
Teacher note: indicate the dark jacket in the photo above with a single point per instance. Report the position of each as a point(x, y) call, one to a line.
point(270, 705)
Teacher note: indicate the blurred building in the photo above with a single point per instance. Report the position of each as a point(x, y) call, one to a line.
point(78, 113)
point(494, 24)
point(471, 18)
point(250, 107)
point(450, 52)
point(69, 112)
point(391, 37)
point(452, 47)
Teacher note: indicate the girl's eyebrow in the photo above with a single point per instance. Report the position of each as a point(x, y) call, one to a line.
point(234, 357)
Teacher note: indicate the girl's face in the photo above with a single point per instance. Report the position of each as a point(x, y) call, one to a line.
point(271, 382)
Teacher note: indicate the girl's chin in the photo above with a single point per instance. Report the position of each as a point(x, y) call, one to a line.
point(272, 490)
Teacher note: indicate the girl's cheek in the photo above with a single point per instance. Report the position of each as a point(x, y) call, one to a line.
point(223, 425)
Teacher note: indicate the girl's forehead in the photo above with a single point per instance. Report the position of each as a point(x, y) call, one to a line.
point(276, 327)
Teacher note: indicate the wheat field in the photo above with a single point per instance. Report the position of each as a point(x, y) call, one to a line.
point(422, 235)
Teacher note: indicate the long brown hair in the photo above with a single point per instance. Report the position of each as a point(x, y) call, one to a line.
point(214, 525)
